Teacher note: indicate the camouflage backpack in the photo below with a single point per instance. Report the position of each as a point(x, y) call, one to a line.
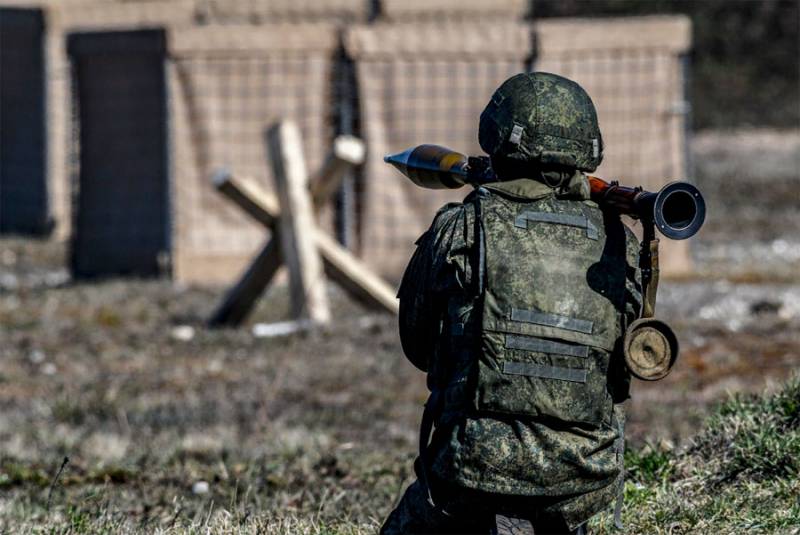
point(537, 340)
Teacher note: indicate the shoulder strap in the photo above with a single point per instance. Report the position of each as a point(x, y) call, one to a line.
point(479, 257)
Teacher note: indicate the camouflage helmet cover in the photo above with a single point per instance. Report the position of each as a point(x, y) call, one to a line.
point(545, 118)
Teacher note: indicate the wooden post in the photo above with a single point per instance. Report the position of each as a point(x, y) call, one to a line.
point(354, 276)
point(347, 152)
point(296, 228)
point(240, 299)
point(340, 265)
point(248, 196)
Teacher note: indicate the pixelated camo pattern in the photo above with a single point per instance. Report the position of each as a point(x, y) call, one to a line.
point(554, 447)
point(572, 273)
point(542, 117)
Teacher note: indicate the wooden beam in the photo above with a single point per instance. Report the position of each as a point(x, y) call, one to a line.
point(340, 265)
point(263, 208)
point(354, 276)
point(281, 328)
point(240, 299)
point(246, 195)
point(348, 151)
point(296, 228)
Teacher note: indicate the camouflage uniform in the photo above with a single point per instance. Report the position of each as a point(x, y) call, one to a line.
point(514, 304)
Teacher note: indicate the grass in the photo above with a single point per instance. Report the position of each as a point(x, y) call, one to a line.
point(315, 433)
point(740, 474)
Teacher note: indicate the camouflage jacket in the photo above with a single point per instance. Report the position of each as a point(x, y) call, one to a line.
point(503, 453)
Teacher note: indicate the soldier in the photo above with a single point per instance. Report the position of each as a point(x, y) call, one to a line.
point(515, 303)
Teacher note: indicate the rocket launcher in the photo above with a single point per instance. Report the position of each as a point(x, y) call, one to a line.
point(678, 210)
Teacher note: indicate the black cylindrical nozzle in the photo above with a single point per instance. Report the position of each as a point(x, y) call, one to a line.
point(678, 210)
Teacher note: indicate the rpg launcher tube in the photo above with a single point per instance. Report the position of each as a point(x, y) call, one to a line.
point(678, 210)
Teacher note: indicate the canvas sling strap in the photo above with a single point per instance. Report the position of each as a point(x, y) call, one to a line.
point(648, 263)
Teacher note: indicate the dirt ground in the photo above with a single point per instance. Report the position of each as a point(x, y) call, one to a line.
point(166, 424)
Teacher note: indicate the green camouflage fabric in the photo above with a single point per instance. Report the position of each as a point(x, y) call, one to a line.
point(545, 118)
point(468, 511)
point(512, 434)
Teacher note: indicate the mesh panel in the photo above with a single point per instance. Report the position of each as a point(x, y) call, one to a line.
point(64, 17)
point(636, 86)
point(227, 88)
point(452, 10)
point(421, 84)
point(632, 70)
point(260, 11)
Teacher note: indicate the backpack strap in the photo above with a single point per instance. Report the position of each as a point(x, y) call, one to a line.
point(479, 257)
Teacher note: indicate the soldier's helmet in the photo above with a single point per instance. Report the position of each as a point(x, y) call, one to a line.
point(545, 118)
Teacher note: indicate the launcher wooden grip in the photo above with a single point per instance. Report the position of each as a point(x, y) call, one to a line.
point(622, 198)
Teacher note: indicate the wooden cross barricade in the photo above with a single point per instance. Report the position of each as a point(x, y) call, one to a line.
point(296, 240)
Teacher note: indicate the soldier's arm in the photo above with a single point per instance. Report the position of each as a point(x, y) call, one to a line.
point(430, 276)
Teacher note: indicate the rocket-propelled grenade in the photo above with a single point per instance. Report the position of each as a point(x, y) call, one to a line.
point(678, 210)
point(431, 166)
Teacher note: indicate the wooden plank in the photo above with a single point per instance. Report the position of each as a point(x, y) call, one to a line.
point(348, 151)
point(240, 299)
point(281, 328)
point(354, 276)
point(248, 196)
point(340, 265)
point(296, 228)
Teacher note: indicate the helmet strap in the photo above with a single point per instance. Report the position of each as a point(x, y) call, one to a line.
point(551, 181)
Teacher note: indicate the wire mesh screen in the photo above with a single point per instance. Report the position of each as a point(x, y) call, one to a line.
point(68, 16)
point(452, 10)
point(261, 11)
point(421, 84)
point(122, 217)
point(24, 203)
point(228, 86)
point(632, 70)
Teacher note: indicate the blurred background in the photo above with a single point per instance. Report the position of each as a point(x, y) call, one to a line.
point(115, 247)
